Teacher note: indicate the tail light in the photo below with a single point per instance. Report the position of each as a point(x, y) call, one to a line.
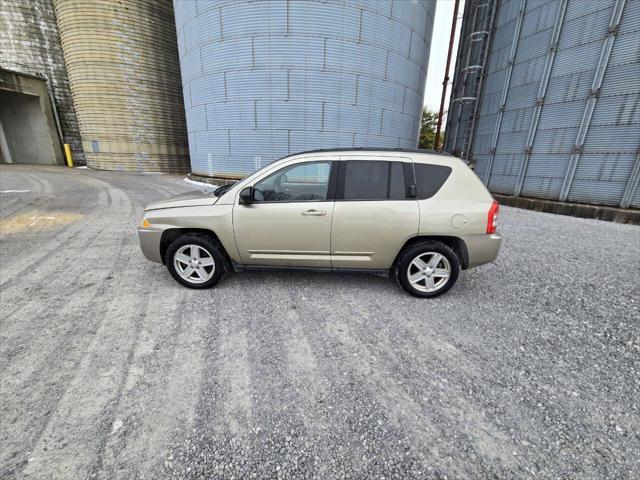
point(492, 217)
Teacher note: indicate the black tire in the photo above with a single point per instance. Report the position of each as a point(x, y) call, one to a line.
point(410, 253)
point(213, 248)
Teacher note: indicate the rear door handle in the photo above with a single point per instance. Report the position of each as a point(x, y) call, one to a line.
point(317, 213)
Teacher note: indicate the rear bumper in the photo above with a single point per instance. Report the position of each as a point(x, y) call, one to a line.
point(482, 248)
point(150, 243)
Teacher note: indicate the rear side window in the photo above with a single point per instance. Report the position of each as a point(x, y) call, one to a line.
point(430, 178)
point(373, 180)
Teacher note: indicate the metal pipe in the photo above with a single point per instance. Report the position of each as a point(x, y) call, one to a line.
point(476, 108)
point(445, 82)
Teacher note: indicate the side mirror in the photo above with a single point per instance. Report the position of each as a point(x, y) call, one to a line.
point(412, 192)
point(246, 196)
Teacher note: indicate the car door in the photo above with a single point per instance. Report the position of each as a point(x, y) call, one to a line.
point(375, 211)
point(288, 222)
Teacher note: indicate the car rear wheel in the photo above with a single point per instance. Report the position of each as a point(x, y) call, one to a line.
point(196, 261)
point(427, 269)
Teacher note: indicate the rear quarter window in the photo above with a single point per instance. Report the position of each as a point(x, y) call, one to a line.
point(430, 178)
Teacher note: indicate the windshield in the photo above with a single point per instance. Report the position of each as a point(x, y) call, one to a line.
point(218, 192)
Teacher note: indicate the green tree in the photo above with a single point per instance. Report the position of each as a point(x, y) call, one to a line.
point(428, 130)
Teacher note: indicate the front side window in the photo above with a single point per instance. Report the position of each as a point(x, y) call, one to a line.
point(374, 180)
point(302, 182)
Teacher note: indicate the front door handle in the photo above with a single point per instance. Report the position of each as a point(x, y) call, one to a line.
point(317, 213)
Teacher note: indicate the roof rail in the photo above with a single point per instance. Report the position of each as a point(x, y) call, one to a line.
point(375, 149)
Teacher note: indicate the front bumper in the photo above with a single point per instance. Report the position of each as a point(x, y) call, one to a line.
point(482, 248)
point(150, 243)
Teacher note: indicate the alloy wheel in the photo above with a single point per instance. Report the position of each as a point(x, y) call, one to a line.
point(429, 272)
point(194, 263)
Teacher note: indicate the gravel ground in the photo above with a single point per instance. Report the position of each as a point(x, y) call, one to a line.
point(528, 367)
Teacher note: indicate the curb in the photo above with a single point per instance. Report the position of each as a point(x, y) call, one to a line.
point(581, 210)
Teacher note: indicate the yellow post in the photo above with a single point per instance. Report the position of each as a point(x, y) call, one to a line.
point(67, 154)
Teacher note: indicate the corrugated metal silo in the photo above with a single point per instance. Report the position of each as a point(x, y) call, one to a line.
point(264, 79)
point(558, 113)
point(125, 79)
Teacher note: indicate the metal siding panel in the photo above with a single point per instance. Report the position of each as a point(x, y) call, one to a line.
point(507, 13)
point(583, 58)
point(530, 47)
point(609, 167)
point(196, 118)
point(618, 80)
point(184, 10)
point(190, 66)
point(562, 115)
point(310, 85)
point(286, 52)
point(363, 140)
point(598, 192)
point(402, 70)
point(379, 31)
point(635, 201)
point(227, 55)
point(413, 102)
point(522, 96)
point(541, 187)
point(284, 115)
point(626, 49)
point(528, 72)
point(539, 17)
point(587, 28)
point(202, 30)
point(352, 118)
point(617, 110)
point(256, 85)
point(554, 140)
point(241, 19)
point(212, 142)
point(580, 8)
point(359, 59)
point(229, 115)
point(482, 161)
point(207, 89)
point(324, 20)
point(569, 88)
point(413, 15)
point(619, 138)
point(630, 18)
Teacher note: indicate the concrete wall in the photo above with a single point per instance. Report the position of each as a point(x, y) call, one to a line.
point(30, 44)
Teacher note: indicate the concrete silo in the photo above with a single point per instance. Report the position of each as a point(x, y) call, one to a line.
point(546, 99)
point(36, 108)
point(264, 79)
point(123, 67)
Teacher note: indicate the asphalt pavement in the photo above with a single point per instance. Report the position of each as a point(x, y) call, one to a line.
point(527, 368)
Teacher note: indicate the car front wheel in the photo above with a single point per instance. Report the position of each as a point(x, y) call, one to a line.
point(195, 261)
point(428, 269)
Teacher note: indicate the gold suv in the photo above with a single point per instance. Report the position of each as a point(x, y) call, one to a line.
point(420, 217)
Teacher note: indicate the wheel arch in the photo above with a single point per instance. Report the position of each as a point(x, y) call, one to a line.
point(457, 244)
point(171, 234)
